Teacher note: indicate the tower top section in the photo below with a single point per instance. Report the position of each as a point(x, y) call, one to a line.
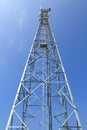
point(44, 14)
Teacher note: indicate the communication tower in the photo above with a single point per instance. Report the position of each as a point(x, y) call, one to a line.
point(44, 100)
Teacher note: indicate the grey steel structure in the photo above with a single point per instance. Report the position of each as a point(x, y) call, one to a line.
point(44, 100)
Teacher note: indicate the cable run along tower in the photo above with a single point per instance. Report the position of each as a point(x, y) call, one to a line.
point(44, 100)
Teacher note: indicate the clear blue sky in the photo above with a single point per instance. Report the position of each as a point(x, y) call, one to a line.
point(18, 23)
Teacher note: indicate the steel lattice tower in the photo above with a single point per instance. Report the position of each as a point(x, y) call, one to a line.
point(44, 100)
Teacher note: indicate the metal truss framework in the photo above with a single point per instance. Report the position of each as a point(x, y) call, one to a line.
point(44, 100)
